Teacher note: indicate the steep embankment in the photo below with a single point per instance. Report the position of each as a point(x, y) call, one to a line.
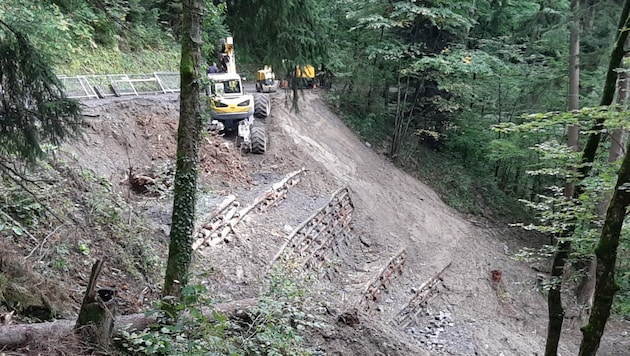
point(377, 248)
point(398, 225)
point(396, 213)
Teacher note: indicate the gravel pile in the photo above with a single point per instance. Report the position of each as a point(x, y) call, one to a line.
point(437, 331)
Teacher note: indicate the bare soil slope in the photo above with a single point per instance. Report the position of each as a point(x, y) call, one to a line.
point(398, 225)
point(469, 314)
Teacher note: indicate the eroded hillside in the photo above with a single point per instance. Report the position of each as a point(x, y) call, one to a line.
point(391, 268)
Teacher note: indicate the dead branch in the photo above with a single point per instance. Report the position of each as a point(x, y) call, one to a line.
point(12, 173)
point(7, 216)
point(41, 245)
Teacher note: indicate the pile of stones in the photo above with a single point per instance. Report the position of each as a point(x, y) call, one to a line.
point(430, 327)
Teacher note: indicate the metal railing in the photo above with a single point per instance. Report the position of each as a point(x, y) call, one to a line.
point(114, 85)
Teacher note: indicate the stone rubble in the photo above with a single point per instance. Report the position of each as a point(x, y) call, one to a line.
point(437, 331)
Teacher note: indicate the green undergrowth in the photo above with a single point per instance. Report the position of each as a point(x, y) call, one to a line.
point(275, 325)
point(58, 219)
point(621, 305)
point(467, 190)
point(114, 61)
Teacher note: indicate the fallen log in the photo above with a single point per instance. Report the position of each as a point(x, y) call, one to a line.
point(229, 200)
point(219, 208)
point(221, 228)
point(20, 334)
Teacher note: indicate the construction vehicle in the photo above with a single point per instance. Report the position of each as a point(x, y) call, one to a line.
point(232, 109)
point(305, 76)
point(266, 80)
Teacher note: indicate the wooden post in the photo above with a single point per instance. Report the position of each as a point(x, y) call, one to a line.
point(96, 317)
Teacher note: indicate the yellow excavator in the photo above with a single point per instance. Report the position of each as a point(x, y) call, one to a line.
point(266, 80)
point(232, 109)
point(305, 76)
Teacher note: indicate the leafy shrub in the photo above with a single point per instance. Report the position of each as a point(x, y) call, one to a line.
point(273, 327)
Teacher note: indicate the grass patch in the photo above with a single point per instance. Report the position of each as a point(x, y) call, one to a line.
point(114, 61)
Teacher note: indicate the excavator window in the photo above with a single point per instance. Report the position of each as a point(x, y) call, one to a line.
point(226, 87)
point(232, 87)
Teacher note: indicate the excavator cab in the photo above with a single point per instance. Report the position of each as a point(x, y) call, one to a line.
point(266, 80)
point(234, 110)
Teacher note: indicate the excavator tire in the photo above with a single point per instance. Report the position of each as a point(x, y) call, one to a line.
point(258, 137)
point(262, 106)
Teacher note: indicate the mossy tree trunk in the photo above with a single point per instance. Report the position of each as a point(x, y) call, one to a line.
point(188, 140)
point(606, 250)
point(563, 246)
point(588, 156)
point(606, 254)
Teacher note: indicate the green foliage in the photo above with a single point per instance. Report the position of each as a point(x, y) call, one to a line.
point(214, 30)
point(53, 203)
point(21, 207)
point(192, 333)
point(33, 108)
point(88, 37)
point(284, 33)
point(273, 327)
point(555, 213)
point(437, 75)
point(54, 33)
point(621, 304)
point(113, 61)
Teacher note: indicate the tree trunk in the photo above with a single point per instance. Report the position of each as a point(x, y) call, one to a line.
point(606, 250)
point(618, 138)
point(554, 298)
point(610, 84)
point(295, 90)
point(96, 317)
point(188, 138)
point(606, 254)
point(401, 103)
point(588, 156)
point(563, 246)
